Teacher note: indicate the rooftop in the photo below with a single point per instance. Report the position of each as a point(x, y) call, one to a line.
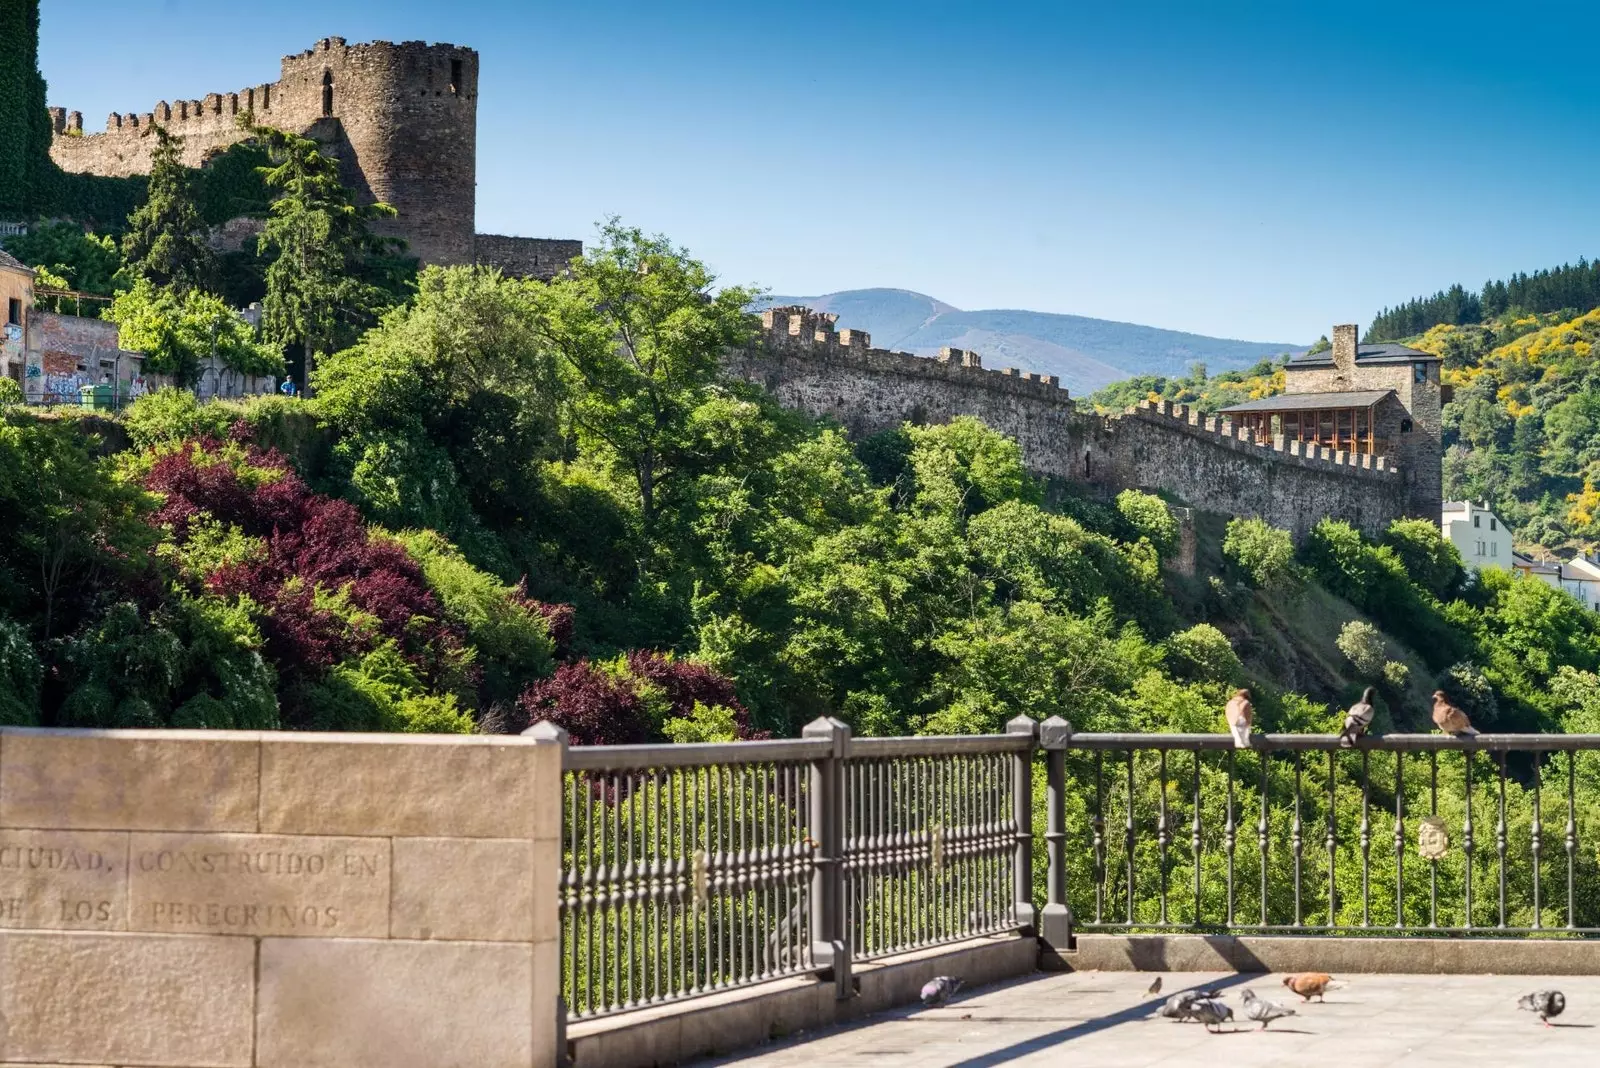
point(10, 262)
point(1296, 402)
point(1382, 352)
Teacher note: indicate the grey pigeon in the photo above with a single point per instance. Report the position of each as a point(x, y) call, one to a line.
point(1155, 987)
point(1180, 1006)
point(1262, 1010)
point(1358, 719)
point(1210, 1012)
point(1546, 1003)
point(940, 989)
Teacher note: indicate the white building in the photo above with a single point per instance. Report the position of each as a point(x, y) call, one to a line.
point(1477, 534)
point(1581, 578)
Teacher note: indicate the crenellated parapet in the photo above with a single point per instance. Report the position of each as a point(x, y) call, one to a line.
point(1221, 432)
point(400, 118)
point(808, 334)
point(1208, 462)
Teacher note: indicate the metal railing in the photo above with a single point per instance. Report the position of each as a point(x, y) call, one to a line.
point(1405, 834)
point(689, 869)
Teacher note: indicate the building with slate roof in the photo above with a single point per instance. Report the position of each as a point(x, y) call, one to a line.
point(1374, 400)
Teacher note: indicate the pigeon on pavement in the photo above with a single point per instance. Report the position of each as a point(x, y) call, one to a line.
point(1263, 1010)
point(1210, 1012)
point(1155, 987)
point(1311, 984)
point(1180, 1006)
point(940, 989)
point(1546, 1003)
point(1450, 719)
point(1240, 714)
point(1358, 719)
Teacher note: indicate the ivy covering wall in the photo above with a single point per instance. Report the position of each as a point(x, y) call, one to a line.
point(24, 119)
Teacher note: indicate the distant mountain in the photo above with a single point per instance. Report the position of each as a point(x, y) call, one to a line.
point(1086, 353)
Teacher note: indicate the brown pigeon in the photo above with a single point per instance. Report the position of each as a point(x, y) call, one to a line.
point(1155, 987)
point(1450, 719)
point(1240, 713)
point(1310, 984)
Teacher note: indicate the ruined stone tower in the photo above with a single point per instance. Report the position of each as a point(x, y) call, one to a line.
point(402, 119)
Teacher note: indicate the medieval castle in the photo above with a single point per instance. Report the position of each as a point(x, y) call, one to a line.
point(402, 119)
point(1357, 435)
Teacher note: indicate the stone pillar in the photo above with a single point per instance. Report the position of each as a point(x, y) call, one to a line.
point(221, 898)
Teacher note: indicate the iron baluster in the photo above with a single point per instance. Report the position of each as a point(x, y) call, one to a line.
point(1296, 842)
point(1163, 837)
point(1500, 840)
point(1467, 844)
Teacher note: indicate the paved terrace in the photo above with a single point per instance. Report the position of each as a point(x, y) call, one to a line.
point(1106, 1019)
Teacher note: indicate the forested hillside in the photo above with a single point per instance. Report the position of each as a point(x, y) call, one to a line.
point(1566, 289)
point(512, 501)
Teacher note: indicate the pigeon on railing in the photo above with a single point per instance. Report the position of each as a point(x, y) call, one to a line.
point(1311, 984)
point(1546, 1003)
point(1358, 719)
point(1240, 714)
point(1262, 1010)
point(1450, 719)
point(1210, 1012)
point(938, 990)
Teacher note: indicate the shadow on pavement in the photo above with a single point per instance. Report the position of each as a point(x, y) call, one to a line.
point(1100, 1023)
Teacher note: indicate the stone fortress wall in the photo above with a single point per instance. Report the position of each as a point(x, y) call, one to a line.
point(1206, 462)
point(230, 898)
point(402, 118)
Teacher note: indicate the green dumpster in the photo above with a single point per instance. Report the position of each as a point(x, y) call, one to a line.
point(95, 397)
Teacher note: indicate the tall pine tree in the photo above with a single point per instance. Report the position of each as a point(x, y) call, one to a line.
point(166, 238)
point(318, 296)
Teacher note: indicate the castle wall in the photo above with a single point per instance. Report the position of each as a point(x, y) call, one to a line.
point(401, 118)
point(1204, 462)
point(526, 257)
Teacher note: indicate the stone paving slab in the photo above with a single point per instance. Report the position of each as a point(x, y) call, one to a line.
point(1106, 1019)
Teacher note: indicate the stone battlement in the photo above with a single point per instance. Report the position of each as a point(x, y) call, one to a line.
point(401, 119)
point(809, 364)
point(807, 333)
point(1215, 431)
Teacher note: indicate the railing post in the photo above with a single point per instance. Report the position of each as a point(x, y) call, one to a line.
point(830, 948)
point(546, 733)
point(1055, 925)
point(1022, 816)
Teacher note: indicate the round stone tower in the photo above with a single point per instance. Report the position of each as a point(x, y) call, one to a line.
point(403, 120)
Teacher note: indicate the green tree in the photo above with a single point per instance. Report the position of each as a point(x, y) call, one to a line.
point(317, 295)
point(178, 330)
point(638, 324)
point(87, 262)
point(166, 239)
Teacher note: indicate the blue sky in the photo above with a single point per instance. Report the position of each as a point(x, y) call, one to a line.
point(1243, 170)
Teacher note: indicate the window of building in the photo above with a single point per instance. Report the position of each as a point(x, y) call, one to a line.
point(1477, 520)
point(1405, 426)
point(455, 76)
point(14, 311)
point(1491, 523)
point(327, 94)
point(1419, 372)
point(1087, 465)
point(1494, 548)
